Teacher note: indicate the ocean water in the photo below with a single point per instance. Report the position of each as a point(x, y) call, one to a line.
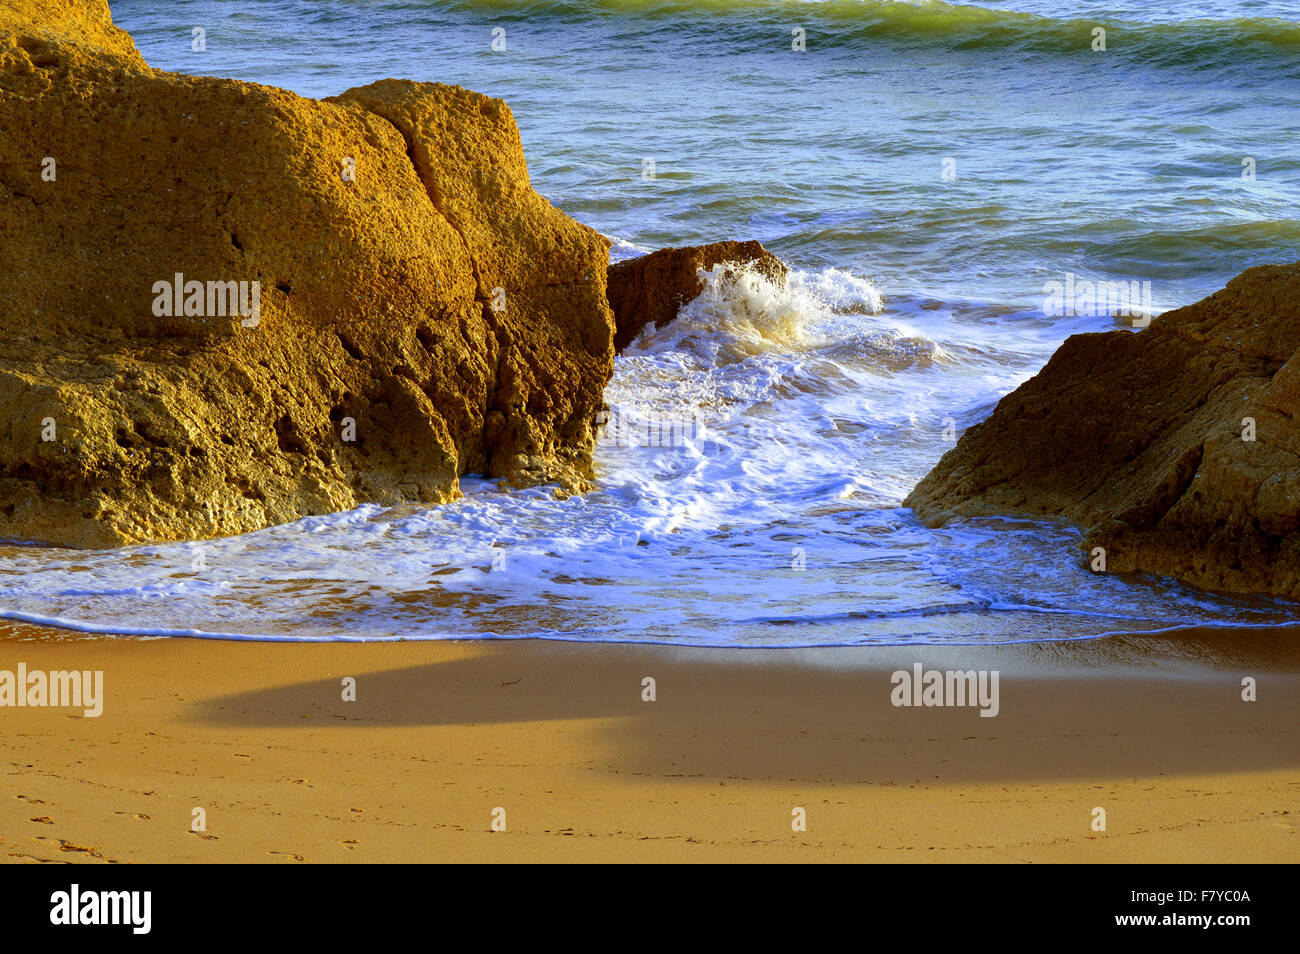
point(925, 168)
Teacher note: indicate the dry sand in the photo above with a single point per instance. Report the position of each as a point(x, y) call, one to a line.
point(1151, 729)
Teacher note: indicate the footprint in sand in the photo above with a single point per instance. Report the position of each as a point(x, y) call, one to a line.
point(69, 846)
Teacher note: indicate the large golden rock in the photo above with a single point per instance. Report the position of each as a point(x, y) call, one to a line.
point(1177, 448)
point(225, 306)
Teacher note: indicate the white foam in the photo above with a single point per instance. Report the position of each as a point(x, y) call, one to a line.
point(741, 313)
point(620, 250)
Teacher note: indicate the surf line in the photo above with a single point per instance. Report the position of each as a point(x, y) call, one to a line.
point(58, 688)
point(948, 687)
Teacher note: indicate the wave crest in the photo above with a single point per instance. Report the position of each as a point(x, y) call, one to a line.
point(741, 313)
point(934, 23)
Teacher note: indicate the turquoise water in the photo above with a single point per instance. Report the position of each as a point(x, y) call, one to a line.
point(926, 168)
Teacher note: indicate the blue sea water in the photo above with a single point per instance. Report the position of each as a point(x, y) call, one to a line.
point(926, 168)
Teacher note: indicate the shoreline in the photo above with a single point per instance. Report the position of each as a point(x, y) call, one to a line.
point(1267, 646)
point(442, 733)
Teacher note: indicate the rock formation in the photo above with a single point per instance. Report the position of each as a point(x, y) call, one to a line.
point(653, 287)
point(1176, 447)
point(226, 306)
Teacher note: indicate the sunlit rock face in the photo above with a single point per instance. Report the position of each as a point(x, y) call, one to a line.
point(226, 306)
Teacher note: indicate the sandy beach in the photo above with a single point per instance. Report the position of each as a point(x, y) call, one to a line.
point(1151, 729)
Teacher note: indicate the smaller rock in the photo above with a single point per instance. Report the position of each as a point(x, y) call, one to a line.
point(654, 287)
